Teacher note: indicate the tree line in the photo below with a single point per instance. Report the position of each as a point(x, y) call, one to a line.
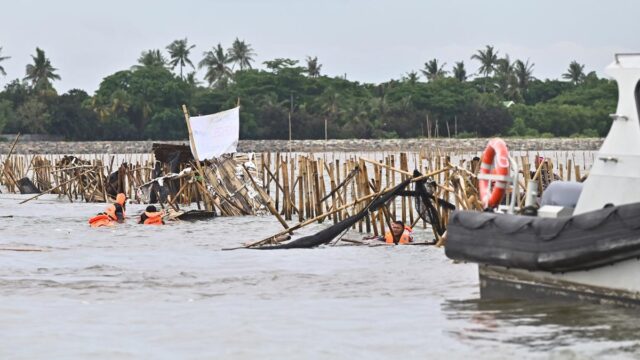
point(143, 102)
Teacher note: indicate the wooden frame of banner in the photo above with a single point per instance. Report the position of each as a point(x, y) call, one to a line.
point(209, 204)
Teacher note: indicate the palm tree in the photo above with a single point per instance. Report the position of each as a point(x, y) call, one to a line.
point(241, 53)
point(192, 80)
point(488, 60)
point(313, 68)
point(433, 71)
point(575, 73)
point(41, 72)
point(151, 58)
point(506, 78)
point(216, 62)
point(3, 58)
point(459, 72)
point(412, 77)
point(331, 107)
point(524, 73)
point(331, 102)
point(120, 102)
point(179, 53)
point(503, 67)
point(379, 106)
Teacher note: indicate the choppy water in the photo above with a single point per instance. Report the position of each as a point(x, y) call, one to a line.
point(170, 292)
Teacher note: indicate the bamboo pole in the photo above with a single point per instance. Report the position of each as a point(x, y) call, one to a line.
point(341, 208)
point(277, 180)
point(292, 188)
point(48, 191)
point(311, 220)
point(194, 151)
point(286, 201)
point(4, 167)
point(266, 199)
point(403, 177)
point(300, 184)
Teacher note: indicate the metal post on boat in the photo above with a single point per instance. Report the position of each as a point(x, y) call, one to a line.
point(515, 170)
point(532, 194)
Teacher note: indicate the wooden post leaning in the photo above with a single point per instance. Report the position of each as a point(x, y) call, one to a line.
point(207, 200)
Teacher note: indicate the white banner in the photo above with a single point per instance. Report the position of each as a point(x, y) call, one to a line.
point(215, 134)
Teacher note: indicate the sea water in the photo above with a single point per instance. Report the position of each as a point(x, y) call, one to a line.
point(171, 292)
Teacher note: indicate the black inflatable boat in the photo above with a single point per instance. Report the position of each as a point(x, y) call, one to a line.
point(580, 242)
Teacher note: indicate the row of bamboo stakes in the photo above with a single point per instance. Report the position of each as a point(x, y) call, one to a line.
point(291, 186)
point(74, 178)
point(306, 187)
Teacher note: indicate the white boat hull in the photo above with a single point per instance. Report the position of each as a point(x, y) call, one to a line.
point(614, 284)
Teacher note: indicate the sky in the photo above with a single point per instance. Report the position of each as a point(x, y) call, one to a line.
point(369, 41)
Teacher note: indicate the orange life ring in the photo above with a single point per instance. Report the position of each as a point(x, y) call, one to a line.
point(496, 150)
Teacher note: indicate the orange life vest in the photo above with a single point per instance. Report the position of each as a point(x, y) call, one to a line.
point(405, 238)
point(101, 220)
point(111, 211)
point(153, 218)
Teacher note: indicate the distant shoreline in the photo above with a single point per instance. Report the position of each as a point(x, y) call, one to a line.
point(343, 145)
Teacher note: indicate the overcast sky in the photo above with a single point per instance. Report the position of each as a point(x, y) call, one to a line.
point(368, 40)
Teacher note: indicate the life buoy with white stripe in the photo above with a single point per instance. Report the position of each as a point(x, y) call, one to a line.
point(496, 153)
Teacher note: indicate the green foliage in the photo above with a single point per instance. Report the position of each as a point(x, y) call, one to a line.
point(465, 135)
point(519, 128)
point(278, 64)
point(71, 119)
point(168, 124)
point(32, 117)
point(145, 101)
point(575, 110)
point(6, 113)
point(133, 99)
point(118, 128)
point(151, 58)
point(541, 91)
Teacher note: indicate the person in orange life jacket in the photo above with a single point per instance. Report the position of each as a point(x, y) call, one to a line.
point(399, 234)
point(114, 213)
point(151, 216)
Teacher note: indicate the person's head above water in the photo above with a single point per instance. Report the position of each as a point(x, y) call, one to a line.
point(121, 198)
point(397, 227)
point(151, 209)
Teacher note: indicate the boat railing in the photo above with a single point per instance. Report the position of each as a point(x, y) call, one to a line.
point(618, 55)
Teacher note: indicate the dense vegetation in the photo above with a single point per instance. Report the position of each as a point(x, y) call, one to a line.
point(143, 102)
